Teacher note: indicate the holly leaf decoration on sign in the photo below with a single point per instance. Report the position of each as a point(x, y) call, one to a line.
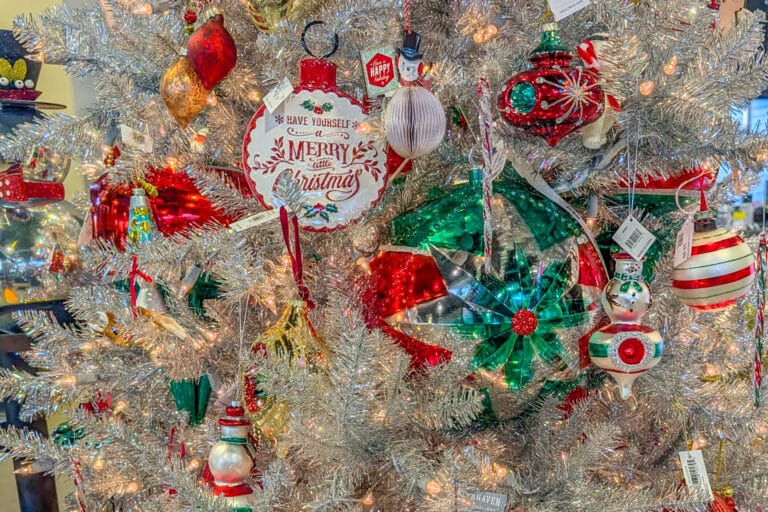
point(277, 157)
point(364, 153)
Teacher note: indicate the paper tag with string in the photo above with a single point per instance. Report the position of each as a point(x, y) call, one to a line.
point(634, 238)
point(695, 472)
point(564, 8)
point(278, 95)
point(684, 242)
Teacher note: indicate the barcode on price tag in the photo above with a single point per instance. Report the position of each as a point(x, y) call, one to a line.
point(255, 220)
point(684, 242)
point(695, 472)
point(563, 8)
point(278, 95)
point(634, 238)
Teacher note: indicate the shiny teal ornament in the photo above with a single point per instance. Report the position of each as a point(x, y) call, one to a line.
point(66, 436)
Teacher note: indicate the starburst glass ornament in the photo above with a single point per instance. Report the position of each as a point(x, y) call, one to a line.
point(554, 97)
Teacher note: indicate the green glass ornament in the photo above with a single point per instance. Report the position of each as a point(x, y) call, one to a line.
point(64, 435)
point(192, 396)
point(453, 219)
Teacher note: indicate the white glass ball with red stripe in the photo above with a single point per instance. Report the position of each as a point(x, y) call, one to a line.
point(720, 270)
point(414, 122)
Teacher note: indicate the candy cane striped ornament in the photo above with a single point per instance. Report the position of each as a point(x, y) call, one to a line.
point(757, 375)
point(486, 122)
point(720, 270)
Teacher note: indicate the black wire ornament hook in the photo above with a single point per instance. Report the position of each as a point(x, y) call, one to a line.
point(304, 40)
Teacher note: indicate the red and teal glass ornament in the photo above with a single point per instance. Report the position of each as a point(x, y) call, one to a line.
point(552, 98)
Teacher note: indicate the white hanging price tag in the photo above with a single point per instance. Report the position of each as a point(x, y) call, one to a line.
point(684, 242)
point(695, 472)
point(634, 238)
point(255, 220)
point(564, 8)
point(278, 95)
point(136, 139)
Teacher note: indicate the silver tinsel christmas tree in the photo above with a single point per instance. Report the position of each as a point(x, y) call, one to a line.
point(345, 418)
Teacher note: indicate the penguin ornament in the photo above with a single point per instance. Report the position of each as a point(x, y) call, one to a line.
point(414, 120)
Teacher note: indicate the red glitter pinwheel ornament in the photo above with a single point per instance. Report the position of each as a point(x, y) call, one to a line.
point(553, 97)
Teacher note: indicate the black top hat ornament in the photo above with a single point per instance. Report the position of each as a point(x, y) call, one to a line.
point(410, 49)
point(18, 76)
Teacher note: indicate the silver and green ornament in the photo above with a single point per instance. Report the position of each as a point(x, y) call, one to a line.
point(625, 348)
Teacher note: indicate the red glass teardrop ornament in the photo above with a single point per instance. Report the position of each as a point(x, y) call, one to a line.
point(211, 52)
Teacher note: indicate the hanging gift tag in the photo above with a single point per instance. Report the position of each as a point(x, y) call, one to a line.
point(696, 478)
point(254, 220)
point(634, 238)
point(482, 501)
point(278, 95)
point(563, 8)
point(136, 139)
point(684, 242)
point(380, 70)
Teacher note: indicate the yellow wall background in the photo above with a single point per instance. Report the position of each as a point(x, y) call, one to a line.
point(57, 88)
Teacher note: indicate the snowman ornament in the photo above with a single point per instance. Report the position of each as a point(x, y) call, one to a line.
point(230, 463)
point(409, 61)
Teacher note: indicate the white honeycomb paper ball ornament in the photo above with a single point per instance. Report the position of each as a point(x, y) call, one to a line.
point(414, 122)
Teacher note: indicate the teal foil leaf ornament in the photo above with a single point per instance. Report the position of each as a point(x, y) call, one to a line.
point(453, 220)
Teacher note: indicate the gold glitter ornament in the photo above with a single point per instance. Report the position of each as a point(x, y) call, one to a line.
point(292, 335)
point(183, 92)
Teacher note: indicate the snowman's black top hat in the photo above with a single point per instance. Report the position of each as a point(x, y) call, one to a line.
point(18, 76)
point(411, 43)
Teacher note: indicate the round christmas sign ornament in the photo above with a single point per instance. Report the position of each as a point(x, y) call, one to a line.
point(312, 136)
point(553, 98)
point(720, 270)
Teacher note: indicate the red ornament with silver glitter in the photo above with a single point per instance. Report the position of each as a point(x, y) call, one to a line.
point(720, 270)
point(625, 349)
point(553, 98)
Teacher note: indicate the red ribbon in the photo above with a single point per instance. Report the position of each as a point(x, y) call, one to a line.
point(135, 272)
point(290, 226)
point(182, 446)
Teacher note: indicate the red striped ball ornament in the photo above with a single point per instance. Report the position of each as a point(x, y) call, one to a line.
point(720, 270)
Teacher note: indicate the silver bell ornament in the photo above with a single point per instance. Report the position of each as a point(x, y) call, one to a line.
point(625, 348)
point(230, 463)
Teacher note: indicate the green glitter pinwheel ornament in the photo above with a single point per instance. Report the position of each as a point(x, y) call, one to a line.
point(515, 317)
